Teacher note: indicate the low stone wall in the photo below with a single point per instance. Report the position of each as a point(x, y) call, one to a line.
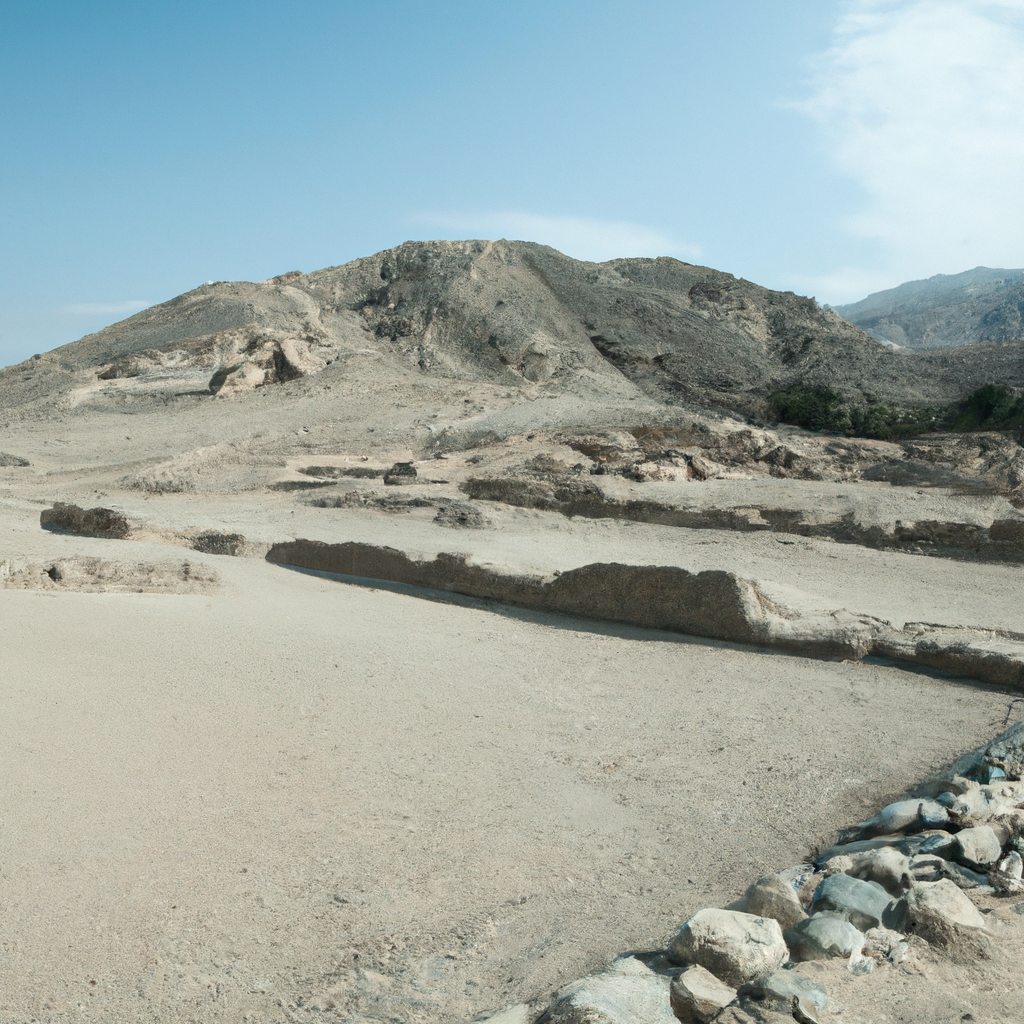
point(714, 604)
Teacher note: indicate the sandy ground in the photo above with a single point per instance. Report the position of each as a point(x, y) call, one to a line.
point(297, 799)
point(294, 799)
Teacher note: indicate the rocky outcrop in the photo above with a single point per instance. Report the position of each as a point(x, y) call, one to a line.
point(511, 313)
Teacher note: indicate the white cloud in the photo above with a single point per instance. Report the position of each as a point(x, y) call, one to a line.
point(107, 308)
point(922, 102)
point(580, 237)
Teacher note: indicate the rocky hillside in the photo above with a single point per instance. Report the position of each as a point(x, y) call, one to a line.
point(980, 305)
point(512, 314)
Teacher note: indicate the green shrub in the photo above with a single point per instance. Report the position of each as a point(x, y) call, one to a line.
point(816, 407)
point(991, 407)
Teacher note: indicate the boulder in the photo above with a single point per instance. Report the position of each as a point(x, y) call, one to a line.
point(697, 995)
point(977, 847)
point(940, 913)
point(772, 896)
point(626, 992)
point(905, 816)
point(735, 947)
point(823, 936)
point(885, 865)
point(864, 904)
point(787, 992)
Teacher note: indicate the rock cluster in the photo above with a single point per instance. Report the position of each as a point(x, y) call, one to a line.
point(906, 874)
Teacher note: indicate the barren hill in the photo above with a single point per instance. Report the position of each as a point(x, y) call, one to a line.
point(980, 305)
point(506, 313)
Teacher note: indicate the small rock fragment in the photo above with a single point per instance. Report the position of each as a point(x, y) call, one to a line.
point(735, 947)
point(772, 896)
point(697, 995)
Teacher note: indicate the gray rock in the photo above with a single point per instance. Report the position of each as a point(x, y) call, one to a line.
point(783, 991)
point(697, 995)
point(939, 912)
point(860, 964)
point(797, 875)
point(1012, 865)
point(1006, 875)
point(823, 936)
point(626, 992)
point(734, 947)
point(772, 896)
point(905, 816)
point(858, 846)
point(928, 867)
point(886, 865)
point(864, 904)
point(940, 843)
point(977, 847)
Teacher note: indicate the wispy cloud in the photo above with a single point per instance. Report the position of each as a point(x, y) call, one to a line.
point(107, 308)
point(922, 102)
point(580, 237)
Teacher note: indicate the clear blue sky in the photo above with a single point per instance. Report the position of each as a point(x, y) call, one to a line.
point(148, 147)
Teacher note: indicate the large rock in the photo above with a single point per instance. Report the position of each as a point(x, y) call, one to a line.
point(735, 947)
point(772, 896)
point(697, 995)
point(786, 992)
point(626, 992)
point(864, 904)
point(905, 816)
point(939, 912)
point(823, 936)
point(887, 866)
point(977, 847)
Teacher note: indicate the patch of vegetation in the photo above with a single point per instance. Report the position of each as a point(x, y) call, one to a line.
point(817, 407)
point(991, 407)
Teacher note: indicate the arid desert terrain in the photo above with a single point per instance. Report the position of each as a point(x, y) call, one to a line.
point(403, 641)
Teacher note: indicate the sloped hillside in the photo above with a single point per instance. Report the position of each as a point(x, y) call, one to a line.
point(513, 314)
point(980, 305)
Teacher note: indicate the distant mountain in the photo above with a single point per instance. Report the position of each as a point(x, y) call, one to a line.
point(947, 310)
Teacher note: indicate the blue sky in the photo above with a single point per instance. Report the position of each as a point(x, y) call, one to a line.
point(828, 147)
